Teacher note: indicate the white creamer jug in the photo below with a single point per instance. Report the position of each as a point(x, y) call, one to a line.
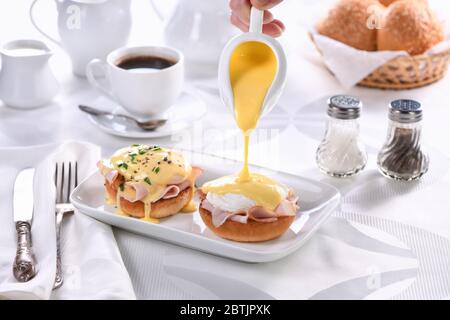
point(26, 80)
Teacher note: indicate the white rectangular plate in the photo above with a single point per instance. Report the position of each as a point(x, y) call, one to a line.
point(317, 202)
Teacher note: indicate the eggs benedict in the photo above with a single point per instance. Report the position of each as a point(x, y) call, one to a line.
point(248, 207)
point(149, 182)
point(255, 210)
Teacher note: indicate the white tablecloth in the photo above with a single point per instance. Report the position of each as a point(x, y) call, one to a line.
point(389, 240)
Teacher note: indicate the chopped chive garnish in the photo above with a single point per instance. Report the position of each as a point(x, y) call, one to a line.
point(147, 179)
point(141, 152)
point(135, 145)
point(122, 187)
point(133, 157)
point(123, 165)
point(157, 170)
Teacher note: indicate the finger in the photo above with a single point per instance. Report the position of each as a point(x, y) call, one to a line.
point(238, 22)
point(241, 8)
point(280, 24)
point(265, 4)
point(268, 17)
point(272, 29)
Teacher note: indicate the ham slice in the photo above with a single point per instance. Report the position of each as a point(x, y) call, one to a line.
point(287, 208)
point(219, 216)
point(140, 192)
point(171, 192)
point(239, 218)
point(111, 176)
point(261, 214)
point(141, 188)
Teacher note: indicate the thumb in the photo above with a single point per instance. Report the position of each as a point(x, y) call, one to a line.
point(265, 4)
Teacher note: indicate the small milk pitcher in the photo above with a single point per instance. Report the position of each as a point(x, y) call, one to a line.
point(26, 80)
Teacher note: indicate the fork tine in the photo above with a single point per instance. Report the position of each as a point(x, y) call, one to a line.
point(69, 183)
point(61, 187)
point(56, 175)
point(76, 174)
point(58, 190)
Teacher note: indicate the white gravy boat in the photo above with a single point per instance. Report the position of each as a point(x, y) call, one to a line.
point(254, 34)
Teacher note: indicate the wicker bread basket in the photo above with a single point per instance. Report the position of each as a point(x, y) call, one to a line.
point(406, 72)
point(409, 72)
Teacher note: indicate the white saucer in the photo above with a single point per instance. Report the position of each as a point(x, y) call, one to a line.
point(184, 113)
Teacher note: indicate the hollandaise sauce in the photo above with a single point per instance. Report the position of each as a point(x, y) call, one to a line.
point(253, 67)
point(262, 190)
point(149, 169)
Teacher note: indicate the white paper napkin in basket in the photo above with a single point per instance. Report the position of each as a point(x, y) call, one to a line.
point(92, 265)
point(350, 65)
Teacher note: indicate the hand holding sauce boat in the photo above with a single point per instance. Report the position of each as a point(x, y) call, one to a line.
point(249, 207)
point(240, 15)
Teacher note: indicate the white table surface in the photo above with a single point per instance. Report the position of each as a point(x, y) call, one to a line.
point(388, 240)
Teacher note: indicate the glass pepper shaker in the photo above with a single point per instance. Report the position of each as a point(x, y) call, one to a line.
point(342, 153)
point(402, 157)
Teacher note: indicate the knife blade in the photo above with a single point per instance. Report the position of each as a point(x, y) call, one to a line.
point(23, 196)
point(24, 267)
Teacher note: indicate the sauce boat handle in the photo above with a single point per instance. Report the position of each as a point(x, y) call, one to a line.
point(256, 20)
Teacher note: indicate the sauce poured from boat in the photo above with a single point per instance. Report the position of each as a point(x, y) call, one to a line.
point(253, 68)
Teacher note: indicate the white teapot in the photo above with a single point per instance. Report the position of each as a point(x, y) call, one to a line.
point(89, 29)
point(198, 28)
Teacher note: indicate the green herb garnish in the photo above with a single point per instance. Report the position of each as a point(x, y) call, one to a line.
point(133, 157)
point(135, 145)
point(147, 180)
point(123, 165)
point(143, 151)
point(122, 187)
point(157, 169)
point(156, 148)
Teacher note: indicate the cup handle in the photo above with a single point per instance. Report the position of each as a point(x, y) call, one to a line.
point(33, 21)
point(106, 90)
point(157, 10)
point(256, 20)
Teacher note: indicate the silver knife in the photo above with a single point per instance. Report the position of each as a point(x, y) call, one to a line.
point(24, 267)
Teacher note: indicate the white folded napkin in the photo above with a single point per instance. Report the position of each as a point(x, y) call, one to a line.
point(92, 264)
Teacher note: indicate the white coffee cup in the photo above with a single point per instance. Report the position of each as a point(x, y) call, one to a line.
point(145, 92)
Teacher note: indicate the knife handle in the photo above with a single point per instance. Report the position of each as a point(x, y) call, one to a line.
point(25, 263)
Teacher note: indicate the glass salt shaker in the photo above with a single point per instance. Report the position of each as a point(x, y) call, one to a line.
point(402, 157)
point(342, 153)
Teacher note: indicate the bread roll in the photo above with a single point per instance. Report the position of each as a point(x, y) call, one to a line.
point(352, 22)
point(409, 25)
point(387, 3)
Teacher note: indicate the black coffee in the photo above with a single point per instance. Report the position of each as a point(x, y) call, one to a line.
point(145, 62)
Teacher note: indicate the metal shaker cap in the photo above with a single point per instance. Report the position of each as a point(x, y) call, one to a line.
point(344, 107)
point(405, 111)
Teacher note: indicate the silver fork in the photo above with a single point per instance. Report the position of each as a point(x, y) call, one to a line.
point(63, 206)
